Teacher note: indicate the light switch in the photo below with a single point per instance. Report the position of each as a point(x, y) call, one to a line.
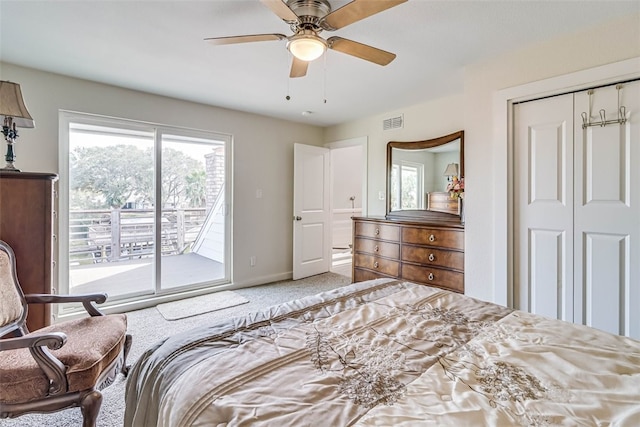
point(259, 193)
point(380, 195)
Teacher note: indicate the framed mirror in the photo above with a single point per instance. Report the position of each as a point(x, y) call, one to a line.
point(419, 174)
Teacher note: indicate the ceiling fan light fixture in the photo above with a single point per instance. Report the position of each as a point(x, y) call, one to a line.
point(307, 47)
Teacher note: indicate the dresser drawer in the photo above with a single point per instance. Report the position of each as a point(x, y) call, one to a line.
point(442, 202)
point(450, 280)
point(360, 275)
point(370, 262)
point(377, 247)
point(378, 231)
point(430, 256)
point(433, 237)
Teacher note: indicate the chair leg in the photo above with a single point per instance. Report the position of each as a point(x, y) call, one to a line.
point(127, 346)
point(90, 407)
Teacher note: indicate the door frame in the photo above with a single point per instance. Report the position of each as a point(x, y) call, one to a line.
point(503, 224)
point(363, 142)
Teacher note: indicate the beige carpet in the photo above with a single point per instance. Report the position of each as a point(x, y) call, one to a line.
point(199, 305)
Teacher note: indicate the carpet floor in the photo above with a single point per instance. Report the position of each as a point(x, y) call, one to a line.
point(147, 326)
point(188, 307)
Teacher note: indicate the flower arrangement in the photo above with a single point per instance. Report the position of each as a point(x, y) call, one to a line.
point(456, 188)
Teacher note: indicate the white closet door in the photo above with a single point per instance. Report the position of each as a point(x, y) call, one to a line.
point(543, 215)
point(607, 213)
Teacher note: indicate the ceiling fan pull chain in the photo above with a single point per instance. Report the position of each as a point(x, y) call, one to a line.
point(287, 97)
point(324, 82)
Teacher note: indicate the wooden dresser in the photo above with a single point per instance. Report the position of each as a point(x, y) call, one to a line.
point(430, 253)
point(441, 201)
point(26, 224)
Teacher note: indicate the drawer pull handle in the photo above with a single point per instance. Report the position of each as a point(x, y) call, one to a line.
point(430, 277)
point(432, 238)
point(432, 257)
point(377, 231)
point(375, 264)
point(376, 248)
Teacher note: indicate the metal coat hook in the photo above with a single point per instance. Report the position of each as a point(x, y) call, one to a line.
point(586, 118)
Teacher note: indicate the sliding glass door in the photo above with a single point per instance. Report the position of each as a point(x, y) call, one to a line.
point(144, 208)
point(192, 218)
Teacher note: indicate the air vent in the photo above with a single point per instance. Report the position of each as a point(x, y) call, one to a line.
point(393, 123)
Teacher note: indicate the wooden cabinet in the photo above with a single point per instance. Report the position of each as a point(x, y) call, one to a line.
point(442, 202)
point(26, 224)
point(421, 252)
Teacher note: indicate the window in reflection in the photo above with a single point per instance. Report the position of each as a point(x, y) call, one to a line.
point(407, 185)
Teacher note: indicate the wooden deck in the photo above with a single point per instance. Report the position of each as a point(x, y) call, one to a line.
point(135, 276)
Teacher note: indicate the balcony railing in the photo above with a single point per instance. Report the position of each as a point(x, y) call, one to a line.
point(97, 236)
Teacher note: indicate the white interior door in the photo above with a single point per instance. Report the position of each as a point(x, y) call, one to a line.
point(311, 211)
point(607, 212)
point(543, 175)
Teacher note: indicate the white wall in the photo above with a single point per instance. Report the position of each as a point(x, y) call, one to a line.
point(346, 182)
point(443, 117)
point(471, 111)
point(262, 152)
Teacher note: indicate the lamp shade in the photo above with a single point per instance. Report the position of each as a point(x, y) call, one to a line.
point(451, 170)
point(12, 105)
point(307, 47)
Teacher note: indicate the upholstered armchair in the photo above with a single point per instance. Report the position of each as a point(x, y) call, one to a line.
point(59, 366)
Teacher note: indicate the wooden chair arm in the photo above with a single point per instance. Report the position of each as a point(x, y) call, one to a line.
point(39, 345)
point(52, 340)
point(85, 299)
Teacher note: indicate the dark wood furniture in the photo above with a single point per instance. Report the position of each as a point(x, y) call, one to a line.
point(26, 224)
point(426, 252)
point(441, 201)
point(420, 245)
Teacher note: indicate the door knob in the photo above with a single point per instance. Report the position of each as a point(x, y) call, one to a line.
point(297, 218)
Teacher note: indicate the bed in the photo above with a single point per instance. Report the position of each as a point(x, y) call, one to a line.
point(387, 353)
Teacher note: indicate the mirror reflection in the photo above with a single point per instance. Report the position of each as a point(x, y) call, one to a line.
point(415, 173)
point(420, 173)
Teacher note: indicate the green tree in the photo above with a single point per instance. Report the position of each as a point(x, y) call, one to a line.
point(197, 189)
point(108, 177)
point(180, 173)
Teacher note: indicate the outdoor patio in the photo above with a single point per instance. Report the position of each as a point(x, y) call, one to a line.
point(136, 276)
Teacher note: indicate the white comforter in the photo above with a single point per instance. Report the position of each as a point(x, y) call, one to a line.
point(388, 353)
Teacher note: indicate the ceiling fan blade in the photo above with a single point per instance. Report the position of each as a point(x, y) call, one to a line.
point(355, 11)
point(245, 38)
point(362, 51)
point(282, 10)
point(298, 68)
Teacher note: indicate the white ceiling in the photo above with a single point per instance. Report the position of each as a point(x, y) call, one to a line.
point(158, 47)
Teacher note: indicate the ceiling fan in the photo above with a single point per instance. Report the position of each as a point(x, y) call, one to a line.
point(307, 19)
